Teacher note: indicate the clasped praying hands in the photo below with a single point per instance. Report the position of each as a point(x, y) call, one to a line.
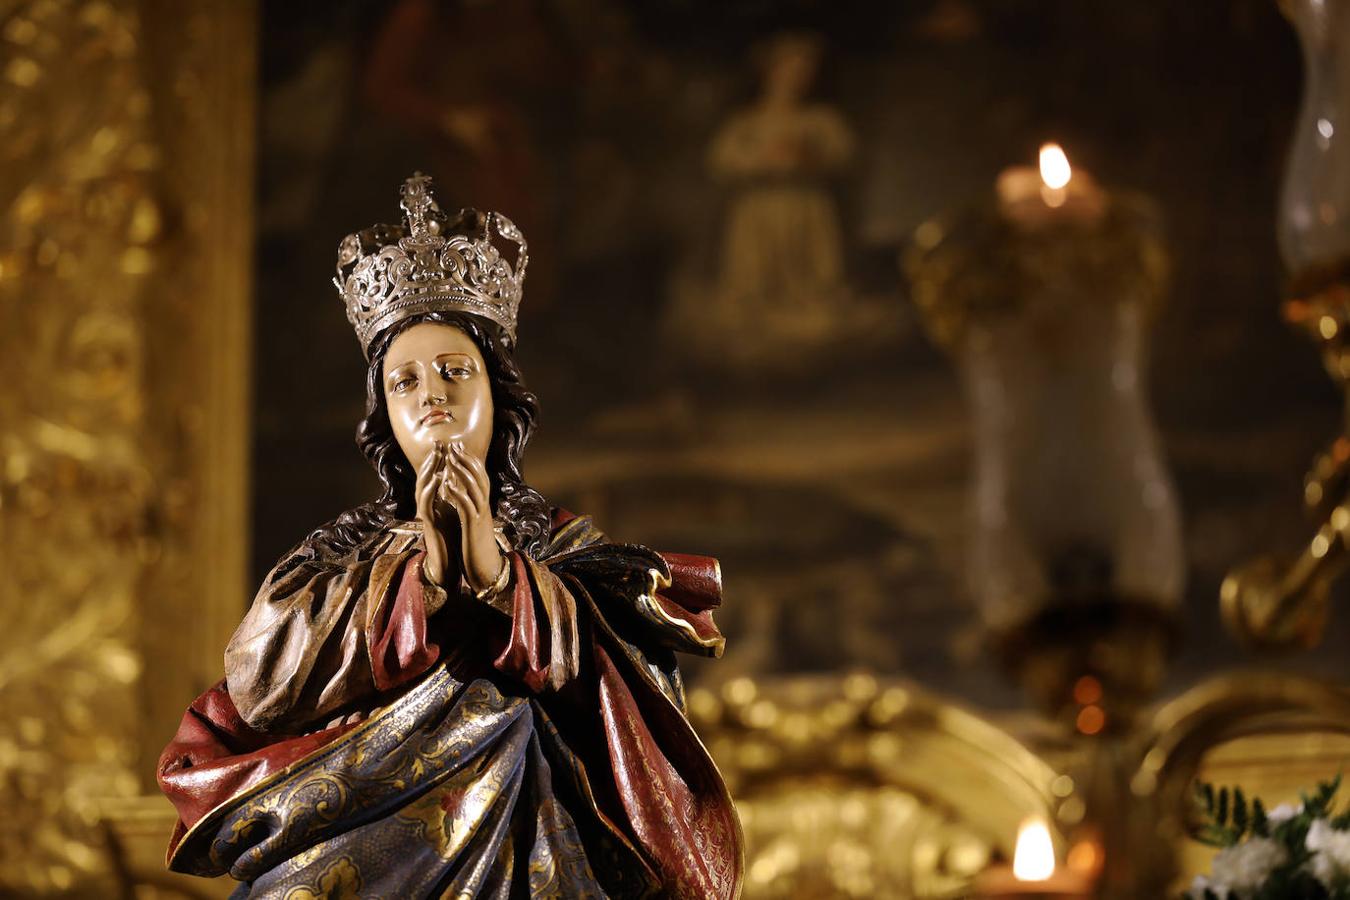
point(453, 506)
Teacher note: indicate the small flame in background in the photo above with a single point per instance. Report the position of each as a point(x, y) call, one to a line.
point(1055, 169)
point(1034, 857)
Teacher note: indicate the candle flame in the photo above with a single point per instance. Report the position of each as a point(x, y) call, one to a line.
point(1034, 858)
point(1055, 169)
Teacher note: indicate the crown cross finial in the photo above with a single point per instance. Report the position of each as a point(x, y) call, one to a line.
point(418, 204)
point(385, 274)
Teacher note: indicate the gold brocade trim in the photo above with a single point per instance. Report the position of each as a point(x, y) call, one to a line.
point(219, 810)
point(341, 878)
point(573, 535)
point(585, 784)
point(445, 829)
point(725, 793)
point(737, 829)
point(407, 710)
point(382, 717)
point(657, 581)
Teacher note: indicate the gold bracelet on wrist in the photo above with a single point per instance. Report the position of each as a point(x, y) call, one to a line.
point(499, 585)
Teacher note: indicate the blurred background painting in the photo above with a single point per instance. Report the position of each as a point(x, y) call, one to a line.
point(716, 199)
point(768, 246)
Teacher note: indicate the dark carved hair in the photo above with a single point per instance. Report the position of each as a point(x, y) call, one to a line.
point(521, 510)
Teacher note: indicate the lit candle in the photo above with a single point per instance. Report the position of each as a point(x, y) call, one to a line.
point(1049, 194)
point(1033, 874)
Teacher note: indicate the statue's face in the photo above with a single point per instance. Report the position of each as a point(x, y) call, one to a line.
point(437, 389)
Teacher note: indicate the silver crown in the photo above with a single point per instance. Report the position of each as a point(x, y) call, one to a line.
point(387, 273)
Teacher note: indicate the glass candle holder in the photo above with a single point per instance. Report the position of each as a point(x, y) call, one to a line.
point(1074, 525)
point(1314, 213)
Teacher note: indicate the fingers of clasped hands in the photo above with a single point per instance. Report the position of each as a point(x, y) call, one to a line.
point(449, 479)
point(452, 480)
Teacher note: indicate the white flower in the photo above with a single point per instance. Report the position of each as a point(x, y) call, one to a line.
point(1201, 884)
point(1331, 852)
point(1244, 867)
point(1283, 813)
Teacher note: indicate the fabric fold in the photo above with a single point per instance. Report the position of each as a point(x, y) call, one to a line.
point(533, 744)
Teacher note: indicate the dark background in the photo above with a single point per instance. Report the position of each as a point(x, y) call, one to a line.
point(833, 491)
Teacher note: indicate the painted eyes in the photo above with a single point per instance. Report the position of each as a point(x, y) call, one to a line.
point(455, 372)
point(449, 372)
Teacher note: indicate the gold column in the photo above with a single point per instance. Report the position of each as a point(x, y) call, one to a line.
point(199, 405)
point(126, 134)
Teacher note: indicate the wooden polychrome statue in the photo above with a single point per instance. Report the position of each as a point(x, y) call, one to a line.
point(455, 690)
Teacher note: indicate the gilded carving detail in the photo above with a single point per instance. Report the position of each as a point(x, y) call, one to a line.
point(340, 881)
point(856, 787)
point(97, 484)
point(77, 247)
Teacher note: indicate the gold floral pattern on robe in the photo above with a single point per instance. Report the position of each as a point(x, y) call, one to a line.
point(534, 746)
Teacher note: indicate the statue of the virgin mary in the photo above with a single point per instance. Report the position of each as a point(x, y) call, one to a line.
point(455, 690)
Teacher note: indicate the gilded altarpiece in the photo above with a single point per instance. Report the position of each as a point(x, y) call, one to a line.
point(126, 142)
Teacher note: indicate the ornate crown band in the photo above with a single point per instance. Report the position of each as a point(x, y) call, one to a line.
point(431, 263)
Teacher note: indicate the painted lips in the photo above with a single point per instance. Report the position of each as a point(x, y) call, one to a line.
point(436, 415)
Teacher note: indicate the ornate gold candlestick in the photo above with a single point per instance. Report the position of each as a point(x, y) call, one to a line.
point(1273, 603)
point(1279, 602)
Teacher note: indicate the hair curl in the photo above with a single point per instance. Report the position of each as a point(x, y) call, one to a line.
point(522, 511)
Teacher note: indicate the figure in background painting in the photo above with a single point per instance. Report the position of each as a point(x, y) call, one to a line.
point(455, 690)
point(781, 266)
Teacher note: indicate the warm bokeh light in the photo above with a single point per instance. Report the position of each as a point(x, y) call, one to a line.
point(1034, 857)
point(1087, 690)
point(1085, 857)
point(1055, 169)
point(1091, 719)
